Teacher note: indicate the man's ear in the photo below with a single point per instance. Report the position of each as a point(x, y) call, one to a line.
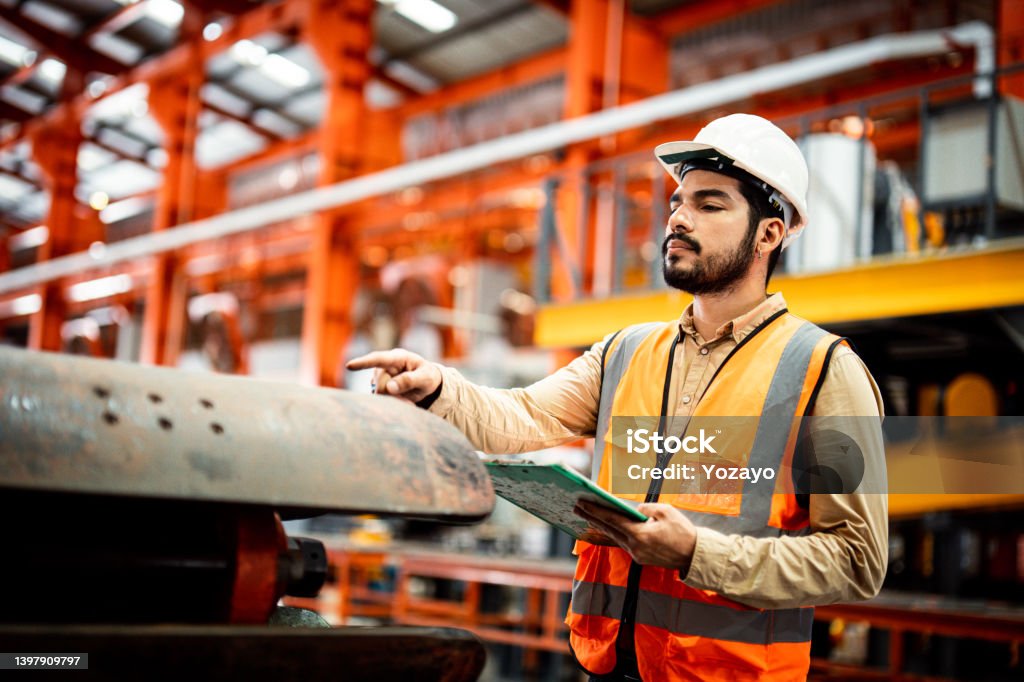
point(772, 233)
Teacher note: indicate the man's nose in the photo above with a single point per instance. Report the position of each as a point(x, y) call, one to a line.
point(680, 220)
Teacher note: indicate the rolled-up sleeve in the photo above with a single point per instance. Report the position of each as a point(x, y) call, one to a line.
point(556, 409)
point(844, 556)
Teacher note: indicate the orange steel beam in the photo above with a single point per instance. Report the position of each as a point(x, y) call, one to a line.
point(1010, 43)
point(342, 39)
point(697, 15)
point(644, 68)
point(175, 103)
point(588, 43)
point(536, 68)
point(56, 152)
point(614, 57)
point(587, 39)
point(212, 198)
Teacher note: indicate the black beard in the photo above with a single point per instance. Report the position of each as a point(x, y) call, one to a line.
point(714, 275)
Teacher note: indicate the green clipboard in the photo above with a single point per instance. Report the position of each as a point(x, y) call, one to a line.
point(550, 492)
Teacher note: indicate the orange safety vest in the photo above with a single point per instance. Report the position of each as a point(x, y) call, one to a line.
point(679, 632)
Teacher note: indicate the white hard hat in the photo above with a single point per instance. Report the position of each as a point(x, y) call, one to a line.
point(755, 145)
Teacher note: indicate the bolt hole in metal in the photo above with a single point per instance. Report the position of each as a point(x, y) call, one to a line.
point(110, 418)
point(165, 423)
point(155, 398)
point(100, 392)
point(216, 428)
point(208, 404)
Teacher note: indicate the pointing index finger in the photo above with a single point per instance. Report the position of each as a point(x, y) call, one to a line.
point(384, 359)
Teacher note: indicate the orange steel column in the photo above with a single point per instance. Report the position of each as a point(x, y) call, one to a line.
point(1010, 27)
point(613, 58)
point(213, 199)
point(644, 69)
point(55, 150)
point(584, 91)
point(175, 104)
point(340, 34)
point(584, 84)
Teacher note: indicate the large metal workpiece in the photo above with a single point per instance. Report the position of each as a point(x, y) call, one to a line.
point(151, 497)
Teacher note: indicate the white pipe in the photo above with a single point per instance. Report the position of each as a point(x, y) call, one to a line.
point(459, 319)
point(980, 35)
point(520, 145)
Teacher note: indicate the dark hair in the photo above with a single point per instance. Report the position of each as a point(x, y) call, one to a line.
point(758, 209)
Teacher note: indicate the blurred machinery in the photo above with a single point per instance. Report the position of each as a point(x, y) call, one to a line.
point(145, 503)
point(840, 199)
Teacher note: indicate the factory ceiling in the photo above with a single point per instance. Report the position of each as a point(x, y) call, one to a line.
point(257, 91)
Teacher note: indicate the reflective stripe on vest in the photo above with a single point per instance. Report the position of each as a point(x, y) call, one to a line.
point(770, 442)
point(685, 617)
point(618, 359)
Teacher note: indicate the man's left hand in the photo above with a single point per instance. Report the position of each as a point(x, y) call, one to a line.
point(666, 539)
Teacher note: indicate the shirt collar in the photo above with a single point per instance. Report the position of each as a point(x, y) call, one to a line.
point(738, 327)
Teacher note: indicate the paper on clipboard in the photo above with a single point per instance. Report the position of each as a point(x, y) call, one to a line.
point(550, 492)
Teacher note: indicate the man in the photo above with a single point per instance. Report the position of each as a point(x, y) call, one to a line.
point(715, 585)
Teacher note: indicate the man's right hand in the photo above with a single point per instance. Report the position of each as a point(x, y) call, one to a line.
point(400, 373)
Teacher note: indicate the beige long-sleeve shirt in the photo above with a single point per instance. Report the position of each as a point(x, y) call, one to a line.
point(843, 558)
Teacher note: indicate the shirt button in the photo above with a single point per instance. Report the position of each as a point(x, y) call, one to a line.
point(686, 400)
point(703, 351)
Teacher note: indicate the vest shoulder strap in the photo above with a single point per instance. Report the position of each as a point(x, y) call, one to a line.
point(604, 352)
point(616, 356)
point(836, 342)
point(618, 351)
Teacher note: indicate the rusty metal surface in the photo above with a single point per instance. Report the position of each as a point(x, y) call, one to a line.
point(101, 427)
point(259, 653)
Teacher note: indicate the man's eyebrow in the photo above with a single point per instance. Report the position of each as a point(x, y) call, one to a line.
point(712, 194)
point(702, 194)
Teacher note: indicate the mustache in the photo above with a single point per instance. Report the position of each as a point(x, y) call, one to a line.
point(680, 237)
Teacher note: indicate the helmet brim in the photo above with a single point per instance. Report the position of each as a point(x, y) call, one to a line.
point(669, 154)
